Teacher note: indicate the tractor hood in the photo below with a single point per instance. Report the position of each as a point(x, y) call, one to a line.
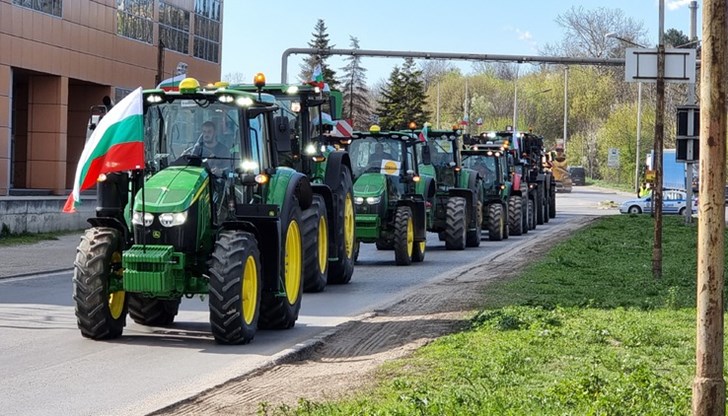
point(174, 189)
point(370, 184)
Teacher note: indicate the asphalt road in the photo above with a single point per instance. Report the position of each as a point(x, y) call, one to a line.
point(49, 369)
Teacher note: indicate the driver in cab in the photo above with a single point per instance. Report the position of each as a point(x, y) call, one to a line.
point(209, 147)
point(375, 159)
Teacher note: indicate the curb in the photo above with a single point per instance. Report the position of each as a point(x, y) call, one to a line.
point(38, 273)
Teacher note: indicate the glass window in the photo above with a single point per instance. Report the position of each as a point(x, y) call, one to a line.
point(207, 30)
point(52, 7)
point(134, 19)
point(174, 28)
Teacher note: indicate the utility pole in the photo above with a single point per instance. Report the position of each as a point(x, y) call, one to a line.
point(691, 101)
point(659, 139)
point(709, 385)
point(639, 136)
point(566, 105)
point(438, 104)
point(515, 101)
point(160, 63)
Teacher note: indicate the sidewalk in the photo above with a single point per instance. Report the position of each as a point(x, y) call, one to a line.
point(42, 257)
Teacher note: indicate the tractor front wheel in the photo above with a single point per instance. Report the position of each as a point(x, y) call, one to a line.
point(455, 224)
point(152, 311)
point(235, 287)
point(472, 239)
point(341, 270)
point(515, 215)
point(316, 246)
point(404, 236)
point(496, 222)
point(100, 309)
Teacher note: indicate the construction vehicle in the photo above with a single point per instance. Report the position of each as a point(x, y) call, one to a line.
point(389, 210)
point(559, 168)
point(328, 229)
point(456, 205)
point(227, 226)
point(506, 207)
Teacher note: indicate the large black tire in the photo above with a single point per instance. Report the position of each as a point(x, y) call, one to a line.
point(99, 314)
point(383, 244)
point(552, 204)
point(539, 206)
point(525, 212)
point(515, 215)
point(496, 222)
point(506, 230)
point(235, 287)
point(472, 237)
point(455, 223)
point(404, 236)
point(279, 310)
point(315, 235)
point(531, 214)
point(546, 206)
point(341, 270)
point(152, 311)
point(418, 251)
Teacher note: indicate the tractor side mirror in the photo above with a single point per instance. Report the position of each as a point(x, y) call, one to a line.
point(426, 156)
point(282, 133)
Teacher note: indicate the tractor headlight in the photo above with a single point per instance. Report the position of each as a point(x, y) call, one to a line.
point(358, 200)
point(373, 200)
point(136, 218)
point(170, 219)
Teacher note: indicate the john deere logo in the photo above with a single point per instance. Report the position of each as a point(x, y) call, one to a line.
point(156, 234)
point(390, 167)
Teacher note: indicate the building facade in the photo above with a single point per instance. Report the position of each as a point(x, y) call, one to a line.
point(60, 58)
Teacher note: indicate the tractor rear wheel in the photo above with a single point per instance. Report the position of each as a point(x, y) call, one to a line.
point(152, 311)
point(472, 238)
point(340, 271)
point(235, 287)
point(552, 204)
point(100, 313)
point(531, 214)
point(316, 246)
point(539, 206)
point(496, 222)
point(418, 251)
point(455, 223)
point(515, 215)
point(404, 236)
point(279, 310)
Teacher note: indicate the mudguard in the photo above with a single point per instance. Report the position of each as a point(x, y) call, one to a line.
point(335, 160)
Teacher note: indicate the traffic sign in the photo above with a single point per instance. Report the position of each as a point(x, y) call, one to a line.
point(613, 158)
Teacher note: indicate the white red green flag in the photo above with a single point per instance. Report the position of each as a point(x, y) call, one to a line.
point(423, 134)
point(171, 84)
point(318, 77)
point(117, 144)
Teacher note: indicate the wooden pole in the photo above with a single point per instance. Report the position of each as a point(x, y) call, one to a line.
point(709, 384)
point(659, 140)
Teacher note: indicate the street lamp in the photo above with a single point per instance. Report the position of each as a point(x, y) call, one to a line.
point(639, 116)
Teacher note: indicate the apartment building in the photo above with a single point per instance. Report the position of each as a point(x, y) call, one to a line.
point(60, 58)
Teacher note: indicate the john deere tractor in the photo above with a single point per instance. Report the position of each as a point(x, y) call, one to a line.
point(455, 192)
point(390, 211)
point(328, 227)
point(226, 225)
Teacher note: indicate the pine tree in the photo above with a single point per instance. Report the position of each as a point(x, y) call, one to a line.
point(354, 87)
point(320, 40)
point(403, 98)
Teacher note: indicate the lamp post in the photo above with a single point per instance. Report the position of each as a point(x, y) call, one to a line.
point(639, 116)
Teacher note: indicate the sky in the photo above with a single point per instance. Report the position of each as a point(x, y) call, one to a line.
point(254, 40)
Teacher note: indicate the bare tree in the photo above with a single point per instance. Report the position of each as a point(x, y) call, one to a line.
point(434, 69)
point(502, 70)
point(236, 78)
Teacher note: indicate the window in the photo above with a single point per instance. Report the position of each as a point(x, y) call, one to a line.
point(52, 7)
point(207, 30)
point(134, 19)
point(174, 28)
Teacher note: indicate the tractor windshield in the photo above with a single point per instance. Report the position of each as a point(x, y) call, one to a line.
point(191, 126)
point(441, 152)
point(374, 154)
point(484, 165)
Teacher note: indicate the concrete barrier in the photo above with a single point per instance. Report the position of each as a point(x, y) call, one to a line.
point(33, 214)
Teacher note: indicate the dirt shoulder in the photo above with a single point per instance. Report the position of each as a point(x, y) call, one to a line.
point(344, 361)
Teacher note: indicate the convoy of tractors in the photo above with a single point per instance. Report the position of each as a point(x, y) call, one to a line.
point(287, 209)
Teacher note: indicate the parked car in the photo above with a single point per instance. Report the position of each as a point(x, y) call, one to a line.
point(578, 175)
point(673, 202)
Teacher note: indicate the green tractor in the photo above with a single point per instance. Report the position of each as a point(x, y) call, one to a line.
point(226, 225)
point(390, 211)
point(328, 227)
point(504, 192)
point(454, 193)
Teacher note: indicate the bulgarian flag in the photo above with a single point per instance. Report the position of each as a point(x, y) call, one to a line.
point(117, 144)
point(318, 77)
point(171, 84)
point(423, 133)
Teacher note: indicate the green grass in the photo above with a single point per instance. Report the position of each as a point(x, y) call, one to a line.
point(585, 331)
point(626, 187)
point(30, 238)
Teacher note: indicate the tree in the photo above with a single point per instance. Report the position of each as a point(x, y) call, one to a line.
point(403, 98)
point(235, 78)
point(432, 70)
point(320, 41)
point(585, 30)
point(356, 93)
point(674, 37)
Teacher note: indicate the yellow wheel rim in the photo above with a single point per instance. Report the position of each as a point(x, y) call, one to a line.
point(323, 244)
point(116, 299)
point(410, 236)
point(250, 289)
point(423, 244)
point(349, 226)
point(292, 267)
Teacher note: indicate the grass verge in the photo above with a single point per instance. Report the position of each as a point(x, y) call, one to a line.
point(586, 330)
point(30, 238)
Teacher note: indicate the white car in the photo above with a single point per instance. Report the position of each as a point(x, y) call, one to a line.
point(673, 202)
